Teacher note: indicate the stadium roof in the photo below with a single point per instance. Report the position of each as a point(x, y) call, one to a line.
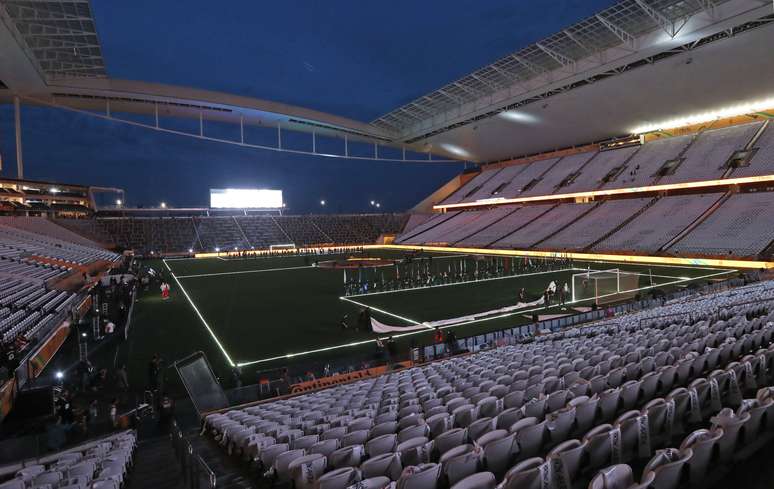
point(58, 37)
point(638, 61)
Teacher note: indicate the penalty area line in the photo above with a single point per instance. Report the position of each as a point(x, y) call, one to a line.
point(384, 312)
point(411, 333)
point(201, 317)
point(239, 272)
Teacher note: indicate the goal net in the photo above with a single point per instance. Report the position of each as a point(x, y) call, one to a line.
point(605, 286)
point(286, 246)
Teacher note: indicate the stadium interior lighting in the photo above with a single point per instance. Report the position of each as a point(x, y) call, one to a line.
point(83, 334)
point(190, 250)
point(322, 202)
point(373, 202)
point(59, 374)
point(518, 116)
point(163, 205)
point(118, 202)
point(378, 205)
point(54, 190)
point(725, 182)
point(455, 150)
point(245, 198)
point(217, 249)
point(733, 111)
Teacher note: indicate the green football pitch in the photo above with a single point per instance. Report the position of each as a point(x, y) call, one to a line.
point(262, 313)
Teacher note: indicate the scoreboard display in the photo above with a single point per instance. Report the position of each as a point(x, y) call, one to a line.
point(245, 198)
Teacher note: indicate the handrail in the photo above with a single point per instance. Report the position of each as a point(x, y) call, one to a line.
point(192, 464)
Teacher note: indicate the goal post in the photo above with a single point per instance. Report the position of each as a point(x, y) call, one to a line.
point(604, 286)
point(282, 246)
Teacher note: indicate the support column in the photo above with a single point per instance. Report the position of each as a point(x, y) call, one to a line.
point(17, 122)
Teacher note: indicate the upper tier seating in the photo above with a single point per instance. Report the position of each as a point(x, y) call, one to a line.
point(741, 226)
point(532, 172)
point(651, 230)
point(601, 166)
point(103, 463)
point(463, 193)
point(641, 169)
point(494, 186)
point(707, 157)
point(564, 169)
point(564, 410)
point(762, 162)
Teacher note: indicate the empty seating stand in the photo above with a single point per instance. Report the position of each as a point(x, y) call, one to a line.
point(741, 227)
point(658, 398)
point(104, 463)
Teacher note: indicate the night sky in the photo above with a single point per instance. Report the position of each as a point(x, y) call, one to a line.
point(352, 58)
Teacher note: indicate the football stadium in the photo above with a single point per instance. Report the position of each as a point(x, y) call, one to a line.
point(342, 246)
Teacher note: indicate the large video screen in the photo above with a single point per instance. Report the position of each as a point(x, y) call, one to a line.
point(245, 198)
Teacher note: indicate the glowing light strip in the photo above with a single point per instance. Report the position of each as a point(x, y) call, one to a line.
point(383, 312)
point(734, 111)
point(469, 282)
point(309, 250)
point(240, 272)
point(655, 260)
point(410, 333)
point(201, 318)
point(608, 192)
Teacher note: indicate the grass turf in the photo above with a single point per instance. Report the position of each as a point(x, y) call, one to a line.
point(271, 307)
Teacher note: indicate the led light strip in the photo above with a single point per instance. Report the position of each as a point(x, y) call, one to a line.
point(604, 257)
point(468, 282)
point(201, 318)
point(240, 272)
point(608, 192)
point(384, 312)
point(410, 333)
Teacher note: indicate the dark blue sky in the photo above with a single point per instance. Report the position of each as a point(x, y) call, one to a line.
point(354, 58)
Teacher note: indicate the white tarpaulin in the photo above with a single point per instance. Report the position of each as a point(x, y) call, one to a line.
point(379, 327)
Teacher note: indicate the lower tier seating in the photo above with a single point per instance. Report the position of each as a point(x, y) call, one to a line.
point(657, 398)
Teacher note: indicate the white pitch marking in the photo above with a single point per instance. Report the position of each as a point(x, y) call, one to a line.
point(201, 318)
point(465, 283)
point(410, 333)
point(243, 272)
point(383, 311)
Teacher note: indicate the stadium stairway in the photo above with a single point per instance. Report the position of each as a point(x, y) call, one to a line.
point(156, 466)
point(230, 474)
